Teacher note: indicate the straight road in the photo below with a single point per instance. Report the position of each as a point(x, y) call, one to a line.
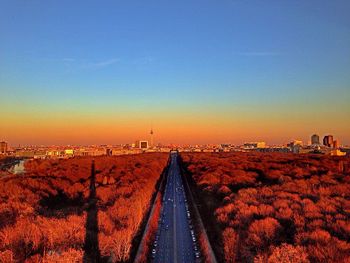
point(175, 239)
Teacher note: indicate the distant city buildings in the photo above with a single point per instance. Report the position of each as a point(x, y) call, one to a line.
point(3, 147)
point(254, 145)
point(330, 146)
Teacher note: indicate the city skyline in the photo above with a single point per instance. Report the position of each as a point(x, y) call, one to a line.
point(200, 71)
point(150, 140)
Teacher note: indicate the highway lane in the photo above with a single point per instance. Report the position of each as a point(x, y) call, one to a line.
point(175, 239)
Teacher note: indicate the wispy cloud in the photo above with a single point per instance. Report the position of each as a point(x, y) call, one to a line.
point(76, 64)
point(101, 64)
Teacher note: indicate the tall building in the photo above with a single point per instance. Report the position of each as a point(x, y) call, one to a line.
point(335, 144)
point(328, 140)
point(315, 139)
point(141, 144)
point(3, 147)
point(151, 133)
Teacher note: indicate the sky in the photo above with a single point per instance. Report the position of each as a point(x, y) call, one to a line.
point(229, 71)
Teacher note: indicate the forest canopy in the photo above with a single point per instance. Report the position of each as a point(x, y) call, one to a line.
point(43, 212)
point(271, 207)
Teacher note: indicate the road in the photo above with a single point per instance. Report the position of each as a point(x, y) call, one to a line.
point(175, 239)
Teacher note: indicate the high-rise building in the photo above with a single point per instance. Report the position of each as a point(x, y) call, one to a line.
point(335, 144)
point(315, 139)
point(151, 133)
point(328, 140)
point(3, 147)
point(141, 144)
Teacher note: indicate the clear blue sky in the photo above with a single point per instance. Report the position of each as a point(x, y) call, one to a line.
point(220, 58)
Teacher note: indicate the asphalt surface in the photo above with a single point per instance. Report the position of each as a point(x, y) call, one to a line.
point(175, 240)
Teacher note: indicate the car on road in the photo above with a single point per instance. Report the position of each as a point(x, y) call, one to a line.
point(153, 253)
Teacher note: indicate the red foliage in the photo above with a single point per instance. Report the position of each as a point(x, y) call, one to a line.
point(287, 253)
point(271, 207)
point(43, 212)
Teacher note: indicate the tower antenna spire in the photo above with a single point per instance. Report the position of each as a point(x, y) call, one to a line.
point(151, 133)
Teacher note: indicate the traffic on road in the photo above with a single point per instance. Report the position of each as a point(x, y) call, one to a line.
point(175, 239)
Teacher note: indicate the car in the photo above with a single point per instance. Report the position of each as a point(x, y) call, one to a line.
point(166, 227)
point(197, 254)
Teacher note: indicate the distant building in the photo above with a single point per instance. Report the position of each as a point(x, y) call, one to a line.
point(69, 152)
point(109, 152)
point(337, 152)
point(335, 144)
point(295, 143)
point(295, 146)
point(3, 147)
point(347, 151)
point(328, 140)
point(141, 144)
point(315, 139)
point(254, 145)
point(280, 149)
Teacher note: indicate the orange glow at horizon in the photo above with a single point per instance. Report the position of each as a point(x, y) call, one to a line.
point(187, 127)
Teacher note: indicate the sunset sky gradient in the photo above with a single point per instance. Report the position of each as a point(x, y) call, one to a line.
point(93, 72)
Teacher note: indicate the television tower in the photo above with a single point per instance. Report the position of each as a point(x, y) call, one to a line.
point(151, 133)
